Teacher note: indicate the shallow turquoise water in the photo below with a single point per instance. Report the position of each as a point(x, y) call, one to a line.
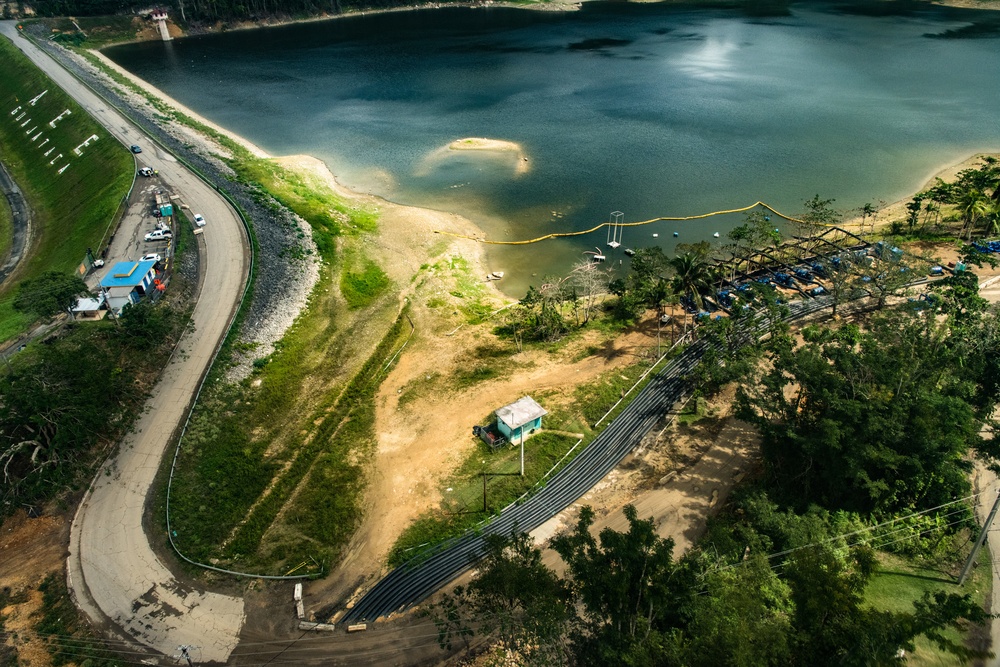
point(645, 109)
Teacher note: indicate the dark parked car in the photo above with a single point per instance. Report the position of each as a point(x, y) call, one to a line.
point(135, 149)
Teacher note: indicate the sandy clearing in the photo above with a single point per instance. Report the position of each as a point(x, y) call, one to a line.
point(30, 550)
point(423, 440)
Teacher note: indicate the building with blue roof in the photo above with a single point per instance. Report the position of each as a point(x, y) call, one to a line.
point(127, 282)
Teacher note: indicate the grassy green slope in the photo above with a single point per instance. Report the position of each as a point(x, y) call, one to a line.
point(72, 210)
point(6, 229)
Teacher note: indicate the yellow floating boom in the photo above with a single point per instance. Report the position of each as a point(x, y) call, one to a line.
point(556, 235)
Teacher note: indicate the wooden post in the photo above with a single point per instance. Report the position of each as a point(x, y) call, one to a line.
point(522, 450)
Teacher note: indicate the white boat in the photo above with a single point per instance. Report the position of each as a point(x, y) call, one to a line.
point(716, 234)
point(496, 275)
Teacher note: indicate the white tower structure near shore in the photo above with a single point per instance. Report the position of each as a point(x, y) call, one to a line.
point(160, 16)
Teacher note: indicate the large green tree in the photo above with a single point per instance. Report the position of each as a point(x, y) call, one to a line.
point(868, 420)
point(50, 293)
point(756, 232)
point(740, 620)
point(515, 598)
point(693, 274)
point(631, 591)
point(832, 626)
point(820, 212)
point(648, 276)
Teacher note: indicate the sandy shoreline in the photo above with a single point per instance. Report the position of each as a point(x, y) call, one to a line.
point(946, 170)
point(309, 164)
point(156, 92)
point(896, 210)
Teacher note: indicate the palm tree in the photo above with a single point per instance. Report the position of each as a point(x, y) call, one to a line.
point(867, 211)
point(930, 208)
point(992, 216)
point(974, 206)
point(692, 274)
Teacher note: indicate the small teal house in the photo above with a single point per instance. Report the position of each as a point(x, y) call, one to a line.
point(520, 418)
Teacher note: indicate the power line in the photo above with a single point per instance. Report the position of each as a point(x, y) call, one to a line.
point(860, 531)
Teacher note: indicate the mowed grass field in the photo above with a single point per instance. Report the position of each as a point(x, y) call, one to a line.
point(71, 210)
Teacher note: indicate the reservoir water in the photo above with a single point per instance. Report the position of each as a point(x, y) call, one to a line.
point(645, 109)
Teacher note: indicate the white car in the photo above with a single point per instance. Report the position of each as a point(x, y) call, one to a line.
point(150, 257)
point(158, 235)
point(199, 220)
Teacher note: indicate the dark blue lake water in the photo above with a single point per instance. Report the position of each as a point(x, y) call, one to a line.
point(646, 109)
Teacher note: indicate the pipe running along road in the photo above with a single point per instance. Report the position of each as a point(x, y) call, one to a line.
point(113, 572)
point(410, 583)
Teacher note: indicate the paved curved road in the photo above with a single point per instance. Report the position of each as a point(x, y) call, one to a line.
point(113, 571)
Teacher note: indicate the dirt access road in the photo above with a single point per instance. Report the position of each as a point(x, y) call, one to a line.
point(113, 572)
point(984, 480)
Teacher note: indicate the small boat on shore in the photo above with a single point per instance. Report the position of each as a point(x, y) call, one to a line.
point(496, 275)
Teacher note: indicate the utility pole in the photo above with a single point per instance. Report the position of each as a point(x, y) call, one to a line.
point(522, 450)
point(979, 542)
point(185, 654)
point(107, 302)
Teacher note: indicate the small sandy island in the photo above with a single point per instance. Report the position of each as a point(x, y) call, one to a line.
point(483, 145)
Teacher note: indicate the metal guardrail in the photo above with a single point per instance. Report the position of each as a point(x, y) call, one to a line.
point(122, 205)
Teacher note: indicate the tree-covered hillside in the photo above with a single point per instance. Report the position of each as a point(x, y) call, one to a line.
point(211, 10)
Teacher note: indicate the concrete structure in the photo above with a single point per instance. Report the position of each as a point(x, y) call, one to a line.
point(160, 16)
point(521, 417)
point(127, 282)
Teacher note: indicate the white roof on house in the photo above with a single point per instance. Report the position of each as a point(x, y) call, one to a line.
point(520, 412)
point(88, 304)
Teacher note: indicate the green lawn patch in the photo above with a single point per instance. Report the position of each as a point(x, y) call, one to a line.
point(469, 290)
point(253, 463)
point(12, 322)
point(362, 287)
point(73, 210)
point(463, 504)
point(6, 227)
point(899, 582)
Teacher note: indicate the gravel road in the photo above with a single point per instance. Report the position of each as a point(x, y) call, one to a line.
point(114, 573)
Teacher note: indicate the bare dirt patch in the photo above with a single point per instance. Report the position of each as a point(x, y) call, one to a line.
point(423, 438)
point(677, 477)
point(30, 550)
